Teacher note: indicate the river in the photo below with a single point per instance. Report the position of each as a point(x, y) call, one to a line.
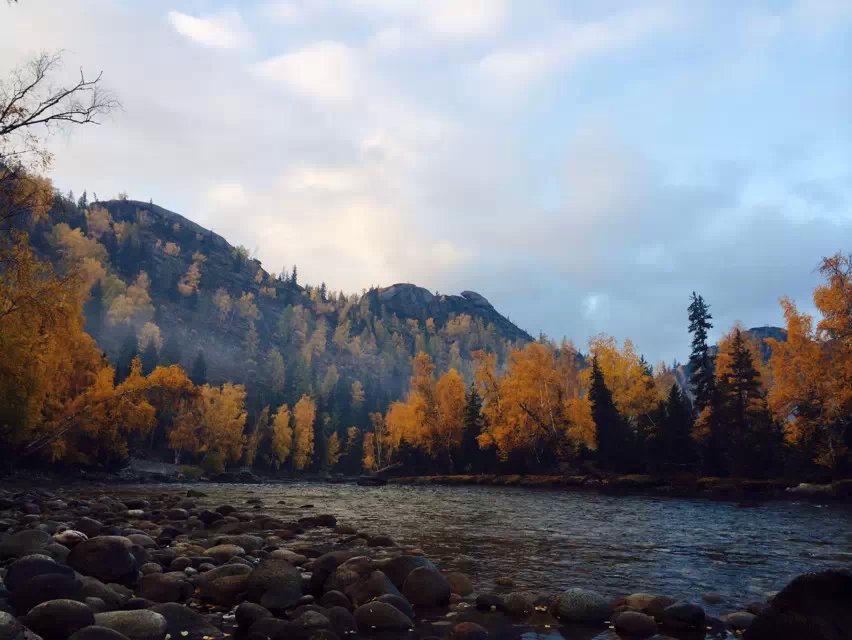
point(551, 540)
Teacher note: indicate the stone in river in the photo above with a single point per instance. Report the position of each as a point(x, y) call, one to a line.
point(380, 616)
point(397, 569)
point(683, 615)
point(10, 628)
point(24, 543)
point(336, 599)
point(739, 620)
point(165, 587)
point(136, 625)
point(399, 602)
point(583, 605)
point(459, 583)
point(425, 587)
point(182, 622)
point(95, 632)
point(58, 619)
point(469, 631)
point(342, 621)
point(31, 566)
point(107, 558)
point(44, 587)
point(635, 624)
point(248, 613)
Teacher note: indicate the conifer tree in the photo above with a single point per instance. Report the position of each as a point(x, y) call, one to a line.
point(701, 379)
point(610, 428)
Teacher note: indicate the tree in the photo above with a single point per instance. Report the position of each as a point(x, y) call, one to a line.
point(474, 425)
point(332, 451)
point(304, 415)
point(171, 351)
point(671, 447)
point(275, 369)
point(702, 379)
point(282, 436)
point(223, 418)
point(150, 357)
point(612, 434)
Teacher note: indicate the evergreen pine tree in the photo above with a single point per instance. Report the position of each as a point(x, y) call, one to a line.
point(701, 379)
point(471, 456)
point(678, 447)
point(198, 373)
point(294, 276)
point(611, 430)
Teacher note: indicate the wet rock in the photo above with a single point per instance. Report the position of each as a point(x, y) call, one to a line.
point(248, 613)
point(397, 569)
point(24, 543)
point(31, 566)
point(739, 620)
point(342, 621)
point(275, 584)
point(275, 629)
point(425, 587)
point(10, 628)
point(657, 605)
point(182, 622)
point(380, 616)
point(165, 587)
point(399, 602)
point(519, 604)
point(312, 620)
point(48, 586)
point(292, 557)
point(69, 538)
point(107, 558)
point(469, 631)
point(58, 619)
point(224, 552)
point(373, 586)
point(150, 567)
point(324, 520)
point(177, 514)
point(89, 526)
point(142, 540)
point(94, 588)
point(136, 625)
point(336, 599)
point(817, 606)
point(490, 602)
point(248, 542)
point(381, 541)
point(504, 581)
point(635, 624)
point(583, 605)
point(683, 615)
point(95, 632)
point(225, 585)
point(459, 583)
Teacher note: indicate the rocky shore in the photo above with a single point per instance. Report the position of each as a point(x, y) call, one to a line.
point(88, 564)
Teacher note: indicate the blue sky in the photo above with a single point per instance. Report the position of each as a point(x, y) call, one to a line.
point(584, 165)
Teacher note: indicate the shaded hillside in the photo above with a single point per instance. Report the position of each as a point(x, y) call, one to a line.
point(206, 304)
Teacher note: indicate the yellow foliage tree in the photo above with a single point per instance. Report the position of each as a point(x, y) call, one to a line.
point(304, 414)
point(282, 436)
point(332, 450)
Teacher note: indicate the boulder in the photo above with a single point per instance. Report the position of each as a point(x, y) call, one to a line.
point(10, 628)
point(374, 585)
point(182, 622)
point(469, 631)
point(739, 620)
point(380, 616)
point(399, 602)
point(95, 632)
point(248, 542)
point(89, 526)
point(165, 587)
point(459, 583)
point(275, 584)
point(342, 621)
point(107, 558)
point(276, 629)
point(69, 538)
point(136, 625)
point(224, 552)
point(397, 569)
point(683, 615)
point(248, 613)
point(48, 586)
point(425, 587)
point(24, 543)
point(635, 624)
point(519, 604)
point(817, 606)
point(583, 605)
point(58, 619)
point(31, 566)
point(94, 588)
point(336, 599)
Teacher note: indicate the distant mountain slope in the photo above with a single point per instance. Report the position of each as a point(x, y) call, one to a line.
point(210, 298)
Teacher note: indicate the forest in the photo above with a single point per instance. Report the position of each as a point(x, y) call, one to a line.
point(126, 328)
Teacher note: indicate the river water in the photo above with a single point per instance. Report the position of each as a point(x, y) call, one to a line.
point(551, 540)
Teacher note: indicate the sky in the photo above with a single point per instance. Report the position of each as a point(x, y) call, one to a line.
point(585, 165)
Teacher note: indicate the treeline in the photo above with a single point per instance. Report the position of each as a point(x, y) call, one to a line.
point(553, 409)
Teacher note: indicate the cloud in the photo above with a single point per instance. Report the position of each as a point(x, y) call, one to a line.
point(516, 68)
point(228, 194)
point(221, 30)
point(326, 71)
point(464, 19)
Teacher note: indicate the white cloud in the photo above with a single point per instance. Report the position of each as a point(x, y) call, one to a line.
point(222, 30)
point(461, 18)
point(326, 71)
point(516, 68)
point(387, 40)
point(227, 194)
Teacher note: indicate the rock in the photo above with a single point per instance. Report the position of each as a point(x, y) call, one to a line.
point(399, 602)
point(683, 615)
point(342, 621)
point(635, 624)
point(165, 587)
point(381, 541)
point(224, 552)
point(490, 602)
point(519, 604)
point(31, 566)
point(58, 619)
point(69, 537)
point(10, 628)
point(336, 599)
point(142, 540)
point(290, 556)
point(107, 558)
point(312, 620)
point(817, 606)
point(183, 622)
point(583, 605)
point(275, 629)
point(504, 581)
point(469, 631)
point(248, 542)
point(373, 586)
point(150, 567)
point(89, 526)
point(94, 588)
point(459, 583)
point(177, 514)
point(95, 632)
point(398, 568)
point(275, 584)
point(136, 625)
point(248, 613)
point(739, 620)
point(425, 587)
point(380, 616)
point(24, 543)
point(712, 597)
point(657, 605)
point(44, 587)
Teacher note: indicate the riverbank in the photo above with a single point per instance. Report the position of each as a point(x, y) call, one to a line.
point(679, 486)
point(178, 563)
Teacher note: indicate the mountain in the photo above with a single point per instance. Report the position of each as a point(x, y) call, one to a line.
point(159, 278)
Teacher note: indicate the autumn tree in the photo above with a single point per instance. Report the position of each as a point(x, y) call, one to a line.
point(304, 415)
point(332, 451)
point(282, 436)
